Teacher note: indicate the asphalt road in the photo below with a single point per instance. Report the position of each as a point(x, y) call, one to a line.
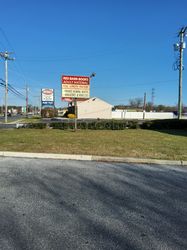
point(88, 205)
point(12, 118)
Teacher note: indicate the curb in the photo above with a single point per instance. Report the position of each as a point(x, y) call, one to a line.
point(46, 156)
point(91, 158)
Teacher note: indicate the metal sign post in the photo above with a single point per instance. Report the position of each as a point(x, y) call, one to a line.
point(75, 107)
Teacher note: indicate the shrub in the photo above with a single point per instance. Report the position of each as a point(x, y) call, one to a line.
point(91, 125)
point(82, 125)
point(108, 125)
point(62, 125)
point(36, 125)
point(57, 125)
point(133, 124)
point(49, 113)
point(118, 125)
point(99, 125)
point(71, 116)
point(96, 125)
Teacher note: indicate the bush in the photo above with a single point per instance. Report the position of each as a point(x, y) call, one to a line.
point(71, 116)
point(99, 125)
point(36, 125)
point(82, 125)
point(62, 125)
point(57, 125)
point(91, 125)
point(96, 125)
point(133, 124)
point(108, 125)
point(113, 125)
point(49, 113)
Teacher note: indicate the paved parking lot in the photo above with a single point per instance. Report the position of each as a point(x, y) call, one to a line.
point(53, 204)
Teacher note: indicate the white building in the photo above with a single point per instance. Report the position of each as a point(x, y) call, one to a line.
point(94, 108)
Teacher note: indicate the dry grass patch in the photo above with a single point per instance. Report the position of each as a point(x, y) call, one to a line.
point(124, 143)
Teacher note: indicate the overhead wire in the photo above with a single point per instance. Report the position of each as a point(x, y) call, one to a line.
point(17, 64)
point(12, 89)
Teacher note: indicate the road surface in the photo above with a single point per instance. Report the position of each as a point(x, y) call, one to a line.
point(53, 204)
point(12, 118)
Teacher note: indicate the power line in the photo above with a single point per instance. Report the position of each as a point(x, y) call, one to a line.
point(17, 64)
point(13, 90)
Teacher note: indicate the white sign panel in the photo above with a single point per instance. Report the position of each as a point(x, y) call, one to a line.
point(47, 97)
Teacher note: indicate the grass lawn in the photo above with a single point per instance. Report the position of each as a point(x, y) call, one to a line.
point(29, 120)
point(125, 143)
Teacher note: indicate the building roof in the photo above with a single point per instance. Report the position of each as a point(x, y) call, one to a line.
point(93, 99)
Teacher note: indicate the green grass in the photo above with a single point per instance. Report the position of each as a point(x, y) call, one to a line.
point(30, 120)
point(124, 143)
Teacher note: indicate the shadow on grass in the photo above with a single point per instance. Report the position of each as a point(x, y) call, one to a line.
point(178, 132)
point(169, 126)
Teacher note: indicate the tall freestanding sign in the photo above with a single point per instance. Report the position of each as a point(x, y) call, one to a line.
point(75, 87)
point(47, 98)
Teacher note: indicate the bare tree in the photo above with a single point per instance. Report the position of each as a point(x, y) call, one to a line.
point(136, 102)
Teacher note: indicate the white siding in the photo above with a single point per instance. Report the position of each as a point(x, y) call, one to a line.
point(94, 108)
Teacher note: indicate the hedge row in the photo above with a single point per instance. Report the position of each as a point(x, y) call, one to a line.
point(96, 125)
point(35, 125)
point(114, 125)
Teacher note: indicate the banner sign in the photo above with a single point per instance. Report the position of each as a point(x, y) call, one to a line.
point(47, 97)
point(75, 87)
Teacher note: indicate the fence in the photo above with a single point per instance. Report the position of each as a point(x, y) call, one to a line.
point(124, 114)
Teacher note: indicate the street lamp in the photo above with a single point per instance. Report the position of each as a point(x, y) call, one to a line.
point(93, 75)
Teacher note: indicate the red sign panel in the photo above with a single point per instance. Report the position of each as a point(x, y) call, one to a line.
point(79, 80)
point(75, 87)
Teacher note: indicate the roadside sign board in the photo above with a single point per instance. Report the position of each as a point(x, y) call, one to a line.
point(47, 97)
point(23, 109)
point(75, 87)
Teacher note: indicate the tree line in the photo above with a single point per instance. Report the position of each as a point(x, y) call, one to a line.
point(138, 105)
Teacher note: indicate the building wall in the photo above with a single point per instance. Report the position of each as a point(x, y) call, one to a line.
point(94, 108)
point(124, 114)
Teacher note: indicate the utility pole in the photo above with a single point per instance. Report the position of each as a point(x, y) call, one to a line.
point(180, 47)
point(152, 98)
point(144, 106)
point(5, 56)
point(38, 106)
point(27, 99)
